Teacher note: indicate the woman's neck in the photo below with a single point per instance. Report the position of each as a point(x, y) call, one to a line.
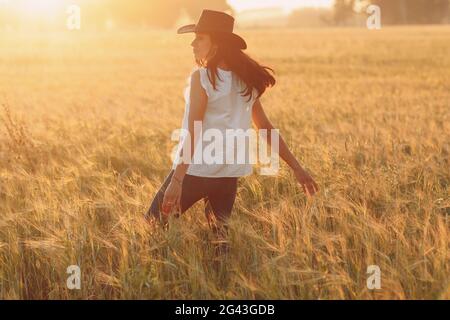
point(222, 65)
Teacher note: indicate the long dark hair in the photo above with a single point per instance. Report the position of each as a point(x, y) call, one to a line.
point(254, 75)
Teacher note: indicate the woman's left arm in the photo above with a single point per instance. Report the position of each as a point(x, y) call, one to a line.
point(262, 122)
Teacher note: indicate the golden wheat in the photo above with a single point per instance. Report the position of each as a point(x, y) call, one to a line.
point(85, 143)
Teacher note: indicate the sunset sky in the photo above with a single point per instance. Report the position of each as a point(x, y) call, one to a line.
point(47, 7)
point(241, 5)
point(48, 10)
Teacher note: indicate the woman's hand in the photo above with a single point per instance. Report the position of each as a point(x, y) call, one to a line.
point(172, 197)
point(306, 181)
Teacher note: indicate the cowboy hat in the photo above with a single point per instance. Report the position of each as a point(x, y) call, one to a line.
point(218, 22)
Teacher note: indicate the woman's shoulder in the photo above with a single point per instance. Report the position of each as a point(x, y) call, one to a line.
point(198, 73)
point(223, 84)
point(197, 70)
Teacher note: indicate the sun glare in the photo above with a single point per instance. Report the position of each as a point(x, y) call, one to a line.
point(288, 5)
point(39, 8)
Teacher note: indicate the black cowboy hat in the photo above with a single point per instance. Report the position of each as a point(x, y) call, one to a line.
point(218, 22)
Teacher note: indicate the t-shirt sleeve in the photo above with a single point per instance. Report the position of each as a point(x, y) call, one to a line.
point(223, 85)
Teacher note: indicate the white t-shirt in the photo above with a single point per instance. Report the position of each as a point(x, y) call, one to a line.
point(226, 128)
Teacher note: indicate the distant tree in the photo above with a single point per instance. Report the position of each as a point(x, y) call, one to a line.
point(343, 11)
point(413, 11)
point(311, 17)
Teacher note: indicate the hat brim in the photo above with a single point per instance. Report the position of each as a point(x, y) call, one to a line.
point(186, 29)
point(232, 37)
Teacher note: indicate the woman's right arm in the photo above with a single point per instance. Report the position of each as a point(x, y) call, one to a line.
point(197, 107)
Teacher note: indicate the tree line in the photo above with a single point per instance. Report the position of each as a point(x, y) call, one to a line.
point(397, 11)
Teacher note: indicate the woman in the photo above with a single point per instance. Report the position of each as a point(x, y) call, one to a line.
point(223, 94)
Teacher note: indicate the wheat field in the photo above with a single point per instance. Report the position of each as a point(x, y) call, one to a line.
point(85, 127)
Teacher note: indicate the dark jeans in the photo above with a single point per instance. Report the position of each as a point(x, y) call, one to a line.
point(219, 195)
